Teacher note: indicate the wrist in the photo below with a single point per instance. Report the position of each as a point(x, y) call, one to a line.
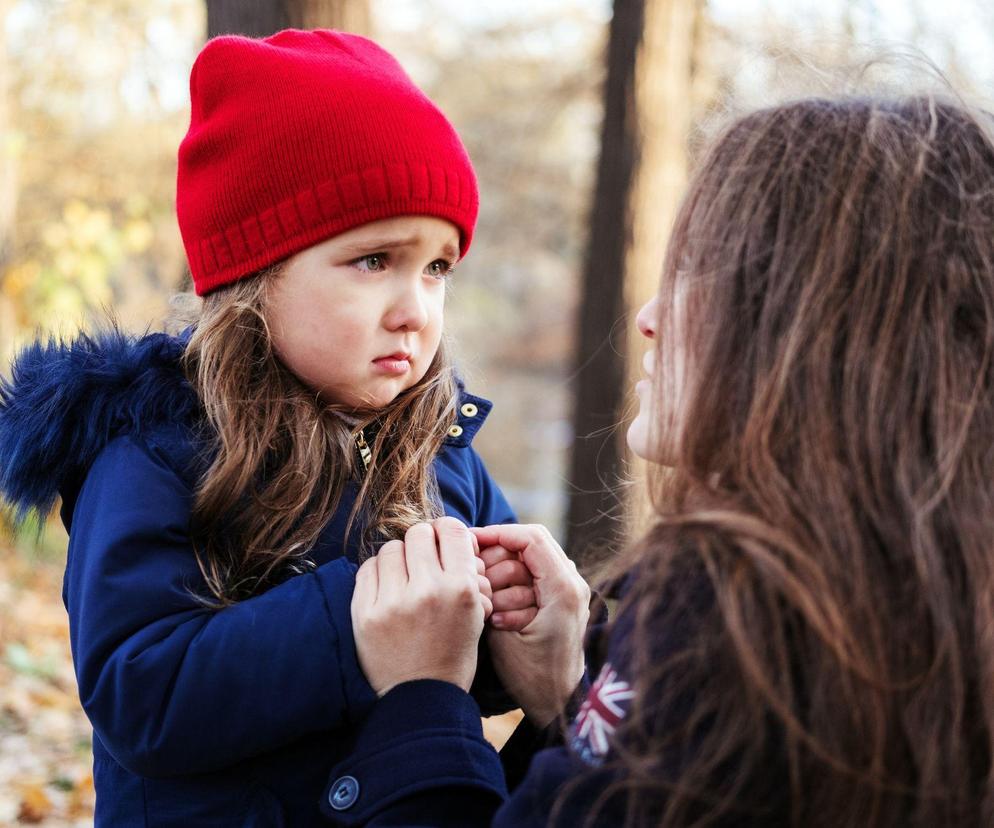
point(563, 699)
point(543, 713)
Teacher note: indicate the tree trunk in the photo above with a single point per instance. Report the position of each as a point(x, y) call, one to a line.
point(648, 106)
point(253, 18)
point(258, 18)
point(345, 15)
point(671, 86)
point(600, 374)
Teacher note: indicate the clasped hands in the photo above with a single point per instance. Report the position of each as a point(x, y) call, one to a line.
point(421, 604)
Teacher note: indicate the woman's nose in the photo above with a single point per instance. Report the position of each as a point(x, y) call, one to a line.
point(648, 318)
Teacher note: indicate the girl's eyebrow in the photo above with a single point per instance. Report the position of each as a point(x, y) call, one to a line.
point(449, 250)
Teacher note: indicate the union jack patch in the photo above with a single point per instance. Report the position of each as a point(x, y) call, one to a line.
point(601, 712)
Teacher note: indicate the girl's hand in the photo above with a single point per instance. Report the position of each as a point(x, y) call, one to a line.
point(417, 610)
point(542, 664)
point(486, 590)
point(512, 588)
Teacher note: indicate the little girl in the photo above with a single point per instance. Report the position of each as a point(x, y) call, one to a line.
point(219, 488)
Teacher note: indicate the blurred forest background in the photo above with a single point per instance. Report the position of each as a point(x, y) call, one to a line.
point(582, 118)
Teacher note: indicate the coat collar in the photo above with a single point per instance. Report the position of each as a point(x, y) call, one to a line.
point(470, 417)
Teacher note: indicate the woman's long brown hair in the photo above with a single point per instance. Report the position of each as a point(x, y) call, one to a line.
point(813, 611)
point(281, 459)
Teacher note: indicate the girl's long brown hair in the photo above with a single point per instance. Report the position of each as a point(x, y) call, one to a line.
point(281, 459)
point(813, 611)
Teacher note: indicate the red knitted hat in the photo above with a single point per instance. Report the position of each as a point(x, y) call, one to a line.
point(303, 135)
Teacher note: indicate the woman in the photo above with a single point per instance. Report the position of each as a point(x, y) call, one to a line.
point(806, 634)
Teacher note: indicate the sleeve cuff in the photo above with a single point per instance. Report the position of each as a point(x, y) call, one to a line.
point(422, 735)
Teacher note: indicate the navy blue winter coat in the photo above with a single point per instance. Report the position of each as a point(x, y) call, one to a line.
point(201, 718)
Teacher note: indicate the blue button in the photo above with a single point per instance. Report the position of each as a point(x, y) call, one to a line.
point(343, 793)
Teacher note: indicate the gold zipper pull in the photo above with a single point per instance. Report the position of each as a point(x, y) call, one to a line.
point(364, 451)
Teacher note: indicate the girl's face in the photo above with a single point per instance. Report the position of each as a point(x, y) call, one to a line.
point(358, 317)
point(654, 433)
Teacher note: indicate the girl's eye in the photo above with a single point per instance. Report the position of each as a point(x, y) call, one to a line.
point(373, 263)
point(440, 269)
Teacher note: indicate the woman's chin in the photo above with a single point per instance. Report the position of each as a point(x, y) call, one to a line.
point(645, 444)
point(638, 438)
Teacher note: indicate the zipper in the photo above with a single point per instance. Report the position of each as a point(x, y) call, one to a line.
point(364, 450)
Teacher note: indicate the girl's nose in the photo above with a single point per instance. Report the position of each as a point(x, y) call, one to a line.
point(648, 318)
point(409, 311)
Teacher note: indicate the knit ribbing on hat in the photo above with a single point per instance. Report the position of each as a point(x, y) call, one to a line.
point(301, 136)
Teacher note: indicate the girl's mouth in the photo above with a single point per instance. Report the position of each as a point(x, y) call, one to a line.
point(394, 364)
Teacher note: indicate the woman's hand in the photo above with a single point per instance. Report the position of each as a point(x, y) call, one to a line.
point(542, 664)
point(418, 609)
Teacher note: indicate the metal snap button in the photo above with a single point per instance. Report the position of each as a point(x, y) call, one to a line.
point(343, 793)
point(455, 431)
point(469, 410)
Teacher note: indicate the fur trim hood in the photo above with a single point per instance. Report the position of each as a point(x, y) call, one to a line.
point(65, 401)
